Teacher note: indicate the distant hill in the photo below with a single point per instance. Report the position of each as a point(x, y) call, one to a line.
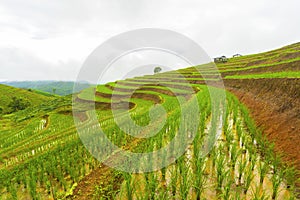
point(61, 88)
point(8, 93)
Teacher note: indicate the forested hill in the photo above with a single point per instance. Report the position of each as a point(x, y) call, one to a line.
point(19, 98)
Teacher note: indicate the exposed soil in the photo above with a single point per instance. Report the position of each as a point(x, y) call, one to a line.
point(275, 106)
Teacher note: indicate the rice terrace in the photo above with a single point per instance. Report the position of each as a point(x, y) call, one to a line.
point(255, 155)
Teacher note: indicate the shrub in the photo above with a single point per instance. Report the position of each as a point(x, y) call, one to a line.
point(17, 104)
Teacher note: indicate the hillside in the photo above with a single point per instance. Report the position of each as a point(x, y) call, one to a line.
point(61, 88)
point(269, 84)
point(44, 157)
point(8, 92)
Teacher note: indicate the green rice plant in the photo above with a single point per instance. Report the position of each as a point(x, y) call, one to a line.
point(264, 146)
point(293, 197)
point(221, 172)
point(151, 184)
point(290, 175)
point(162, 194)
point(253, 159)
point(249, 123)
point(163, 174)
point(275, 162)
point(174, 179)
point(234, 154)
point(257, 194)
point(235, 111)
point(225, 125)
point(213, 155)
point(199, 178)
point(184, 178)
point(248, 177)
point(227, 186)
point(276, 181)
point(239, 131)
point(263, 169)
point(229, 138)
point(241, 169)
point(12, 190)
point(238, 192)
point(197, 143)
point(243, 139)
point(128, 185)
point(253, 156)
point(32, 183)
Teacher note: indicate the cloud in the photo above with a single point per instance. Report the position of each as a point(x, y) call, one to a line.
point(21, 65)
point(57, 36)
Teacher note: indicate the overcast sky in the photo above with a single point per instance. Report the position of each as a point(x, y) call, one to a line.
point(50, 39)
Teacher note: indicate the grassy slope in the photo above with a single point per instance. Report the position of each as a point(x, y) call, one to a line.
point(7, 92)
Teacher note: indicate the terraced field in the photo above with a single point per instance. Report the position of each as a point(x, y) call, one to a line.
point(227, 148)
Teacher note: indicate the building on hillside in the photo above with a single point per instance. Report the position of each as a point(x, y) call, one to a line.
point(221, 59)
point(236, 55)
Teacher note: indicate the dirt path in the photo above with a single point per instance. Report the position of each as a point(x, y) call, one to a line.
point(103, 177)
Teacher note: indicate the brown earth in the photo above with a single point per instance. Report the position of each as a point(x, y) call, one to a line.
point(275, 106)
